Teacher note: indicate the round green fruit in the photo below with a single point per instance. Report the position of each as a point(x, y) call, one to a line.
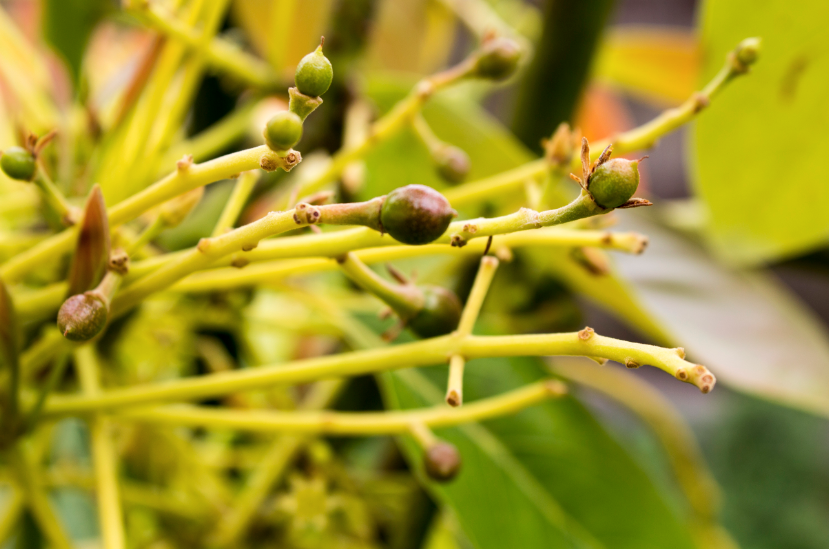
point(442, 462)
point(440, 314)
point(82, 317)
point(314, 74)
point(614, 182)
point(18, 163)
point(416, 214)
point(283, 131)
point(498, 59)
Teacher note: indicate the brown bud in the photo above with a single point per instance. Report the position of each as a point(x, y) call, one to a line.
point(82, 317)
point(442, 462)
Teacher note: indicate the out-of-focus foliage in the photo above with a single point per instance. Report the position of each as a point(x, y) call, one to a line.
point(759, 153)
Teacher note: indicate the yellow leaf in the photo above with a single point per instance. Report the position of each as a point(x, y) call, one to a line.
point(657, 64)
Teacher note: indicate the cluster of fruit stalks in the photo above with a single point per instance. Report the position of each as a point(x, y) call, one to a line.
point(410, 221)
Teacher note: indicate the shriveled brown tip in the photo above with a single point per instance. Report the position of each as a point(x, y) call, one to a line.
point(268, 163)
point(682, 374)
point(586, 333)
point(636, 203)
point(631, 364)
point(453, 399)
point(680, 351)
point(555, 388)
point(642, 244)
point(705, 389)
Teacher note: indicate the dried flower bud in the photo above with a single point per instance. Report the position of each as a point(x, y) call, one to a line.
point(440, 314)
point(283, 131)
point(614, 182)
point(18, 163)
point(498, 58)
point(442, 462)
point(416, 214)
point(314, 74)
point(82, 317)
point(452, 163)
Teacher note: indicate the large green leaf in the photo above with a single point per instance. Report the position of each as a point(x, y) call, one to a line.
point(549, 476)
point(741, 324)
point(759, 150)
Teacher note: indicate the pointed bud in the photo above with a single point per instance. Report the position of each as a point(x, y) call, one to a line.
point(82, 317)
point(440, 314)
point(174, 211)
point(452, 163)
point(314, 74)
point(416, 214)
point(498, 58)
point(92, 249)
point(442, 462)
point(614, 182)
point(18, 163)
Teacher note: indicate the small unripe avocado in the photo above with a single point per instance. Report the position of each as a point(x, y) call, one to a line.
point(440, 314)
point(283, 131)
point(416, 214)
point(614, 182)
point(499, 58)
point(82, 317)
point(314, 74)
point(18, 163)
point(442, 462)
point(452, 163)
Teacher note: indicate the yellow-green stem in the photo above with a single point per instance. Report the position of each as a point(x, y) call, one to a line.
point(421, 353)
point(344, 423)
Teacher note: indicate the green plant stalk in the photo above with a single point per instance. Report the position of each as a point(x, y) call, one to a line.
point(471, 310)
point(459, 233)
point(176, 183)
point(639, 138)
point(110, 514)
point(127, 150)
point(238, 240)
point(405, 299)
point(274, 461)
point(214, 139)
point(238, 198)
point(219, 53)
point(39, 304)
point(150, 232)
point(397, 118)
point(421, 353)
point(54, 198)
point(344, 423)
point(12, 511)
point(55, 375)
point(37, 501)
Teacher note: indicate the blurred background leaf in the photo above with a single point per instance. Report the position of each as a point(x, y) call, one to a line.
point(67, 26)
point(758, 154)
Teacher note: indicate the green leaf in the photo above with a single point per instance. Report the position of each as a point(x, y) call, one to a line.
point(758, 153)
point(747, 329)
point(552, 474)
point(67, 26)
